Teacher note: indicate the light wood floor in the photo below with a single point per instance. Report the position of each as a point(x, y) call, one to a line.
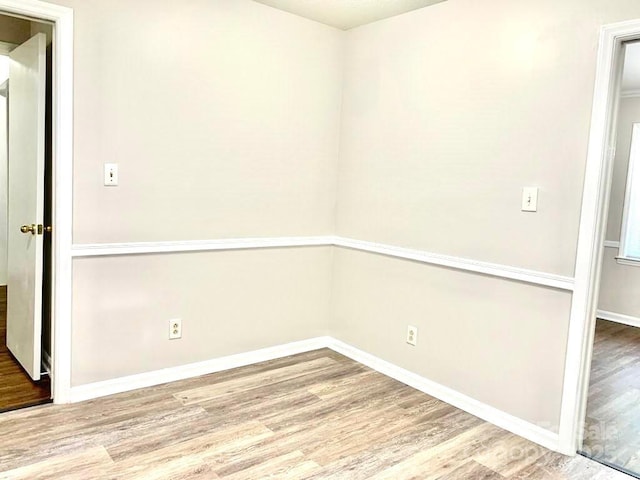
point(612, 431)
point(16, 387)
point(312, 416)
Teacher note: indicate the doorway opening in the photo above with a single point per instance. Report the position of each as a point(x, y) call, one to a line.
point(612, 422)
point(26, 207)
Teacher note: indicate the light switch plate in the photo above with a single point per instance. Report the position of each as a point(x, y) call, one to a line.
point(110, 174)
point(530, 199)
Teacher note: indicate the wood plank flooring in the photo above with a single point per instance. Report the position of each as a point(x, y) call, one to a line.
point(612, 428)
point(16, 388)
point(312, 416)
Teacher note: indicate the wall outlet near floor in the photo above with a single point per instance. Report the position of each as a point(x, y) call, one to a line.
point(175, 328)
point(412, 335)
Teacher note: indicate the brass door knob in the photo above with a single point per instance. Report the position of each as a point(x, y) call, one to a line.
point(32, 229)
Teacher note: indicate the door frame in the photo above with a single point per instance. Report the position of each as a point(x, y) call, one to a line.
point(591, 236)
point(62, 179)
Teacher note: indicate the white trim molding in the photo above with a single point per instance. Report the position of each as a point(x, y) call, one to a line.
point(63, 198)
point(62, 113)
point(458, 263)
point(591, 234)
point(141, 248)
point(619, 318)
point(631, 262)
point(621, 259)
point(530, 431)
point(537, 434)
point(166, 375)
point(630, 93)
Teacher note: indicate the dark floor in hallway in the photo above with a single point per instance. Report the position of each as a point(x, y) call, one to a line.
point(16, 388)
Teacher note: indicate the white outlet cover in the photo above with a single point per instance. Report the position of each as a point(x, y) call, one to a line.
point(412, 335)
point(175, 328)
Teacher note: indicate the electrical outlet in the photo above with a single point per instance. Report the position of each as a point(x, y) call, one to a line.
point(175, 329)
point(412, 335)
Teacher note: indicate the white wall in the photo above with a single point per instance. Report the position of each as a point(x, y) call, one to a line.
point(619, 283)
point(448, 112)
point(223, 116)
point(224, 119)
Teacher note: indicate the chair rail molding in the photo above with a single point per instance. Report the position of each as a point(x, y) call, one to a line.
point(458, 263)
point(461, 263)
point(141, 248)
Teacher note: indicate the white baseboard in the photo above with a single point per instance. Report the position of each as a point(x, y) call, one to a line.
point(619, 318)
point(157, 377)
point(535, 433)
point(481, 410)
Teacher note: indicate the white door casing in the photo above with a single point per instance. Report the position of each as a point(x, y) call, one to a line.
point(62, 131)
point(591, 236)
point(27, 103)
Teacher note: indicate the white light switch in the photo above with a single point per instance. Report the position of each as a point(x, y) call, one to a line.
point(530, 199)
point(111, 174)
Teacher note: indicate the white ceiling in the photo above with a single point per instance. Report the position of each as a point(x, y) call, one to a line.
point(631, 72)
point(346, 14)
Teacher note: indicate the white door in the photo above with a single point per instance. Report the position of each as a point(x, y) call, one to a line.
point(27, 96)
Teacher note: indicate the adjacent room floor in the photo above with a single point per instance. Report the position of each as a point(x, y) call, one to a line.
point(317, 415)
point(17, 390)
point(612, 429)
